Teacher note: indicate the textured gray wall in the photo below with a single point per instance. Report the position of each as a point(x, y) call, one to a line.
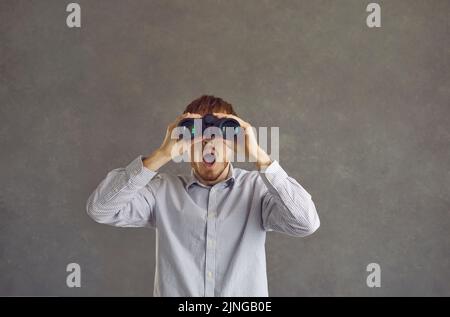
point(364, 118)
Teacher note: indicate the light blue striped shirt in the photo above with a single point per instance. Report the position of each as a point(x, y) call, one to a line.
point(210, 240)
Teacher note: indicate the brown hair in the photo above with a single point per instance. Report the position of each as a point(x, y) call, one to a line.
point(209, 104)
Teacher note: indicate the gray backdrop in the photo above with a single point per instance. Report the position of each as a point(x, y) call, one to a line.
point(364, 120)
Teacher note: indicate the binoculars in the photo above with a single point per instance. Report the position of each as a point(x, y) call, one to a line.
point(225, 125)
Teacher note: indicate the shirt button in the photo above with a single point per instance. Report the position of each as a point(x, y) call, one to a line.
point(212, 214)
point(209, 274)
point(211, 243)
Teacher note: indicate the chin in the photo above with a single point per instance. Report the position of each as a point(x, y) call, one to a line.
point(208, 174)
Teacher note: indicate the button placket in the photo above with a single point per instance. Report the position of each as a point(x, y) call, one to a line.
point(210, 264)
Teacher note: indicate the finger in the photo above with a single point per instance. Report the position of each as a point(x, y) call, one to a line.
point(183, 115)
point(189, 142)
point(230, 144)
point(191, 115)
point(176, 121)
point(221, 115)
point(226, 115)
point(197, 139)
point(188, 115)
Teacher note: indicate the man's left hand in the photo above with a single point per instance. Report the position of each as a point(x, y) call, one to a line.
point(252, 148)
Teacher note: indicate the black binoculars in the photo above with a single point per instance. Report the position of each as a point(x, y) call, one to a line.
point(225, 125)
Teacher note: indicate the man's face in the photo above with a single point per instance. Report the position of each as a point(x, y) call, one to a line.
point(210, 158)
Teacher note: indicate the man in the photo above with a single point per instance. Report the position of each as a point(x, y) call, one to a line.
point(211, 225)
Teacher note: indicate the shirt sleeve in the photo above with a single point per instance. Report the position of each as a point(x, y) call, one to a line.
point(287, 207)
point(125, 198)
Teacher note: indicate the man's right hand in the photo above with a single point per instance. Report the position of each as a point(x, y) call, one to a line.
point(169, 145)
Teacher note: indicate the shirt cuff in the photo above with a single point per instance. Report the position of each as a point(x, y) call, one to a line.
point(138, 174)
point(275, 173)
point(278, 178)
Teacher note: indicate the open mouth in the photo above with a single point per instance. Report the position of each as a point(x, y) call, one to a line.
point(209, 159)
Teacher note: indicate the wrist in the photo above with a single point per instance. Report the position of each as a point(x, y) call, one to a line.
point(155, 160)
point(162, 152)
point(263, 159)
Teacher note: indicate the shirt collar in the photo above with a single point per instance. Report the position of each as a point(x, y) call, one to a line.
point(229, 181)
